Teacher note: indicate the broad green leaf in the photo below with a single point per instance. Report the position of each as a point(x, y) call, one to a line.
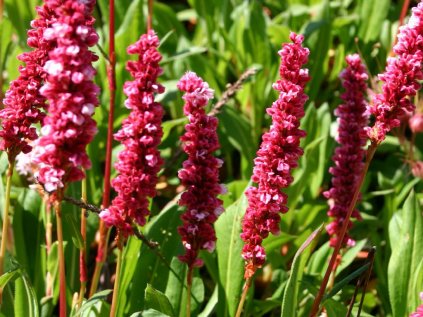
point(155, 299)
point(231, 265)
point(26, 303)
point(406, 237)
point(290, 299)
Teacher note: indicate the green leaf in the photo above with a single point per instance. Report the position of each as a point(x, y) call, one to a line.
point(406, 237)
point(211, 304)
point(335, 309)
point(9, 276)
point(290, 299)
point(372, 15)
point(26, 303)
point(230, 263)
point(157, 300)
point(338, 286)
point(149, 313)
point(95, 299)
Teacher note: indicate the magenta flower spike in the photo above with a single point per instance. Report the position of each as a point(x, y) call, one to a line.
point(200, 172)
point(23, 103)
point(348, 157)
point(71, 93)
point(401, 79)
point(141, 133)
point(278, 155)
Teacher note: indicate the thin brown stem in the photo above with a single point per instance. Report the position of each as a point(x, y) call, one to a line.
point(150, 15)
point(117, 275)
point(111, 76)
point(243, 297)
point(316, 305)
point(232, 90)
point(5, 231)
point(371, 260)
point(62, 274)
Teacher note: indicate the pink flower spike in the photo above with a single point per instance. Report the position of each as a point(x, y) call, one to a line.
point(348, 157)
point(278, 155)
point(141, 133)
point(401, 79)
point(69, 89)
point(23, 103)
point(200, 172)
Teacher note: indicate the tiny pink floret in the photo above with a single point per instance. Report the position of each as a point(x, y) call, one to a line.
point(200, 172)
point(278, 155)
point(141, 133)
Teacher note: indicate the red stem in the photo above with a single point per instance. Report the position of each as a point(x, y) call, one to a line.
point(150, 15)
point(315, 309)
point(404, 11)
point(111, 77)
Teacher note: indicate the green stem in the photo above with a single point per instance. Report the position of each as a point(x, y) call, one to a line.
point(243, 297)
point(189, 287)
point(117, 276)
point(5, 219)
point(62, 274)
point(83, 251)
point(316, 305)
point(49, 241)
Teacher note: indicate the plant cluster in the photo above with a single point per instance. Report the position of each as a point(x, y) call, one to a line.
point(217, 230)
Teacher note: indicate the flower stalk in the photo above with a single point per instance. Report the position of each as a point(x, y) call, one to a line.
point(103, 231)
point(119, 240)
point(245, 290)
point(369, 156)
point(61, 253)
point(5, 231)
point(83, 252)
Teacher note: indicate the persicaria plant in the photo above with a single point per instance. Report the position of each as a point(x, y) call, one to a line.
point(221, 158)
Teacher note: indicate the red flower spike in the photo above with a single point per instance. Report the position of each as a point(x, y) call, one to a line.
point(401, 79)
point(141, 133)
point(200, 172)
point(23, 103)
point(348, 157)
point(71, 93)
point(278, 155)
